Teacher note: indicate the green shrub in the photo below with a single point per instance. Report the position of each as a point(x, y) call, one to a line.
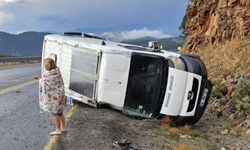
point(241, 97)
point(218, 87)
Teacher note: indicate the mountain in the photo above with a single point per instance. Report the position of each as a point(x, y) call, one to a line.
point(23, 44)
point(30, 43)
point(170, 43)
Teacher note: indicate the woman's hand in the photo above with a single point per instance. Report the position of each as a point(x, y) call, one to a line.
point(36, 77)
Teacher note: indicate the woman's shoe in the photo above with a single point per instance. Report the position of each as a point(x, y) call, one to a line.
point(56, 133)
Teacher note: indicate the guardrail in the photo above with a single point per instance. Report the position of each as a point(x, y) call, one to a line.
point(20, 60)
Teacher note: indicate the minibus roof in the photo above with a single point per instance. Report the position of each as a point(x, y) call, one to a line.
point(94, 43)
point(103, 45)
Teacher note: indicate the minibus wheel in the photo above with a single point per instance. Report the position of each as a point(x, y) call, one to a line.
point(200, 109)
point(180, 120)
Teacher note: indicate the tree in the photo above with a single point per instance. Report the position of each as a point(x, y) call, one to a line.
point(182, 27)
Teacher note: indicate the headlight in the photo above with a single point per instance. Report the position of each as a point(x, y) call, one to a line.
point(177, 63)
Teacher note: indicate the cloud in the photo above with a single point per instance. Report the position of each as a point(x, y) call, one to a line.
point(20, 32)
point(5, 17)
point(3, 2)
point(65, 15)
point(135, 34)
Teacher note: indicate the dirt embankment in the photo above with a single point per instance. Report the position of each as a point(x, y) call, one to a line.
point(219, 32)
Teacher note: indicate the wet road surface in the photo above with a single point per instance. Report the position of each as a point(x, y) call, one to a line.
point(13, 75)
point(21, 124)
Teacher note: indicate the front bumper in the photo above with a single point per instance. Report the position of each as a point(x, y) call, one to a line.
point(205, 91)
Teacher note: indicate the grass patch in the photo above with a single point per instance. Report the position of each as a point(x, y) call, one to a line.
point(227, 58)
point(175, 132)
point(241, 97)
point(227, 125)
point(161, 132)
point(197, 144)
point(219, 87)
point(195, 139)
point(186, 130)
point(182, 146)
point(201, 144)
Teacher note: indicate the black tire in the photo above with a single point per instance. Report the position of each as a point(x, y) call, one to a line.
point(200, 109)
point(181, 121)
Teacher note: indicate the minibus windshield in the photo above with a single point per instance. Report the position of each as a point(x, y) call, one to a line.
point(146, 84)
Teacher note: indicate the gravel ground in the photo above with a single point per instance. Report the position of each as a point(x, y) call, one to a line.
point(99, 129)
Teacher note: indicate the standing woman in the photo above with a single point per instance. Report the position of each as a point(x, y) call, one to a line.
point(51, 94)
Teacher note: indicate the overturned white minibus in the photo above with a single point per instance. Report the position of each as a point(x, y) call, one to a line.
point(139, 81)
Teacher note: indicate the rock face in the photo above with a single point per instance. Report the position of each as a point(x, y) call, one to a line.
point(214, 21)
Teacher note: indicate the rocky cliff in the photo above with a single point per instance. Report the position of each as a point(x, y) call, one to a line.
point(215, 21)
point(219, 32)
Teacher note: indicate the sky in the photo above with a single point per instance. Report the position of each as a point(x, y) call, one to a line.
point(123, 18)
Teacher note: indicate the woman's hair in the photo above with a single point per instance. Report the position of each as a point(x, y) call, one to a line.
point(49, 64)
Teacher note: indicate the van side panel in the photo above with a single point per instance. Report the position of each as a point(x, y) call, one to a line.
point(113, 79)
point(65, 64)
point(51, 49)
point(63, 54)
point(175, 92)
point(83, 74)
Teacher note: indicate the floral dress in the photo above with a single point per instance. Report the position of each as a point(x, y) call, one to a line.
point(51, 91)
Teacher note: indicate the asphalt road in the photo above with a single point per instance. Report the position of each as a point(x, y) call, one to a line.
point(24, 127)
point(21, 125)
point(14, 75)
